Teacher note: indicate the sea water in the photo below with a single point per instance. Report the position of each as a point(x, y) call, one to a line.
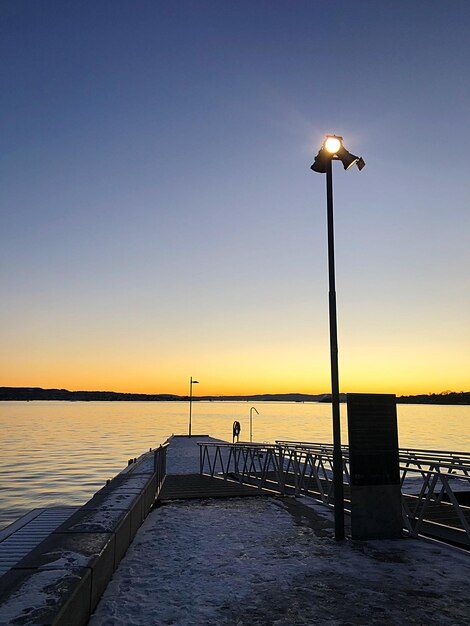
point(61, 453)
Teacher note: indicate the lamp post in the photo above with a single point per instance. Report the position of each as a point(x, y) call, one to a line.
point(191, 383)
point(333, 150)
point(251, 422)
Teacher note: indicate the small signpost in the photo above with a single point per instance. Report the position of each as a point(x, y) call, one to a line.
point(374, 466)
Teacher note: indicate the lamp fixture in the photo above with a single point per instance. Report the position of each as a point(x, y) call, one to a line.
point(333, 149)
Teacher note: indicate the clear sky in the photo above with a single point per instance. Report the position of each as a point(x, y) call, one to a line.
point(159, 218)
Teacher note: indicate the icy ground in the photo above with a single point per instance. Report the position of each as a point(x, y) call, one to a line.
point(268, 561)
point(183, 453)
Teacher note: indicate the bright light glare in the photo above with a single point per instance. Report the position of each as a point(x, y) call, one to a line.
point(332, 144)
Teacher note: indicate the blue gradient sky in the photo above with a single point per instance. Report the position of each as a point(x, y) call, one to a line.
point(159, 218)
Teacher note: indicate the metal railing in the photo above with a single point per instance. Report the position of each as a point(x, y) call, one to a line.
point(159, 466)
point(435, 484)
point(417, 455)
point(245, 463)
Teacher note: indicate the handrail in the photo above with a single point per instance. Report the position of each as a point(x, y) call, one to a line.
point(431, 486)
point(453, 461)
point(246, 444)
point(452, 453)
point(159, 466)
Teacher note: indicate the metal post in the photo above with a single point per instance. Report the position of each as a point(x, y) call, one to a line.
point(337, 454)
point(190, 402)
point(251, 422)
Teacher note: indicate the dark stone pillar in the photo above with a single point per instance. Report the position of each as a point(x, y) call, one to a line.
point(374, 466)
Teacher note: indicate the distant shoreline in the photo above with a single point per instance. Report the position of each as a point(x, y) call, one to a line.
point(27, 394)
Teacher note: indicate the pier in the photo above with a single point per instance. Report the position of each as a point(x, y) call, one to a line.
point(202, 532)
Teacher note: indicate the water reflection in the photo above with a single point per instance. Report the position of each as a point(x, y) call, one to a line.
point(62, 452)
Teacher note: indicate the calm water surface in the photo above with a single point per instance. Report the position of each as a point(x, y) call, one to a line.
point(62, 452)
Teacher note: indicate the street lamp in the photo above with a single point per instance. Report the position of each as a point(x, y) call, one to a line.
point(191, 383)
point(333, 150)
point(251, 422)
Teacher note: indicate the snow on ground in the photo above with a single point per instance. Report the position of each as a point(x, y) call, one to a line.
point(40, 590)
point(259, 561)
point(143, 464)
point(183, 453)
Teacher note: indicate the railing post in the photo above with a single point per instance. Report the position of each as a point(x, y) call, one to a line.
point(282, 473)
point(159, 466)
point(155, 460)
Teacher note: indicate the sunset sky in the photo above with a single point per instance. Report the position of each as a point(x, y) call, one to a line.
point(159, 218)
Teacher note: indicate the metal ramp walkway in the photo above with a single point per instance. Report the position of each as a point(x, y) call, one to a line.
point(18, 539)
point(189, 486)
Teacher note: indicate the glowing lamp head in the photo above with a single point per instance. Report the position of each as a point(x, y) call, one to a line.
point(333, 150)
point(332, 144)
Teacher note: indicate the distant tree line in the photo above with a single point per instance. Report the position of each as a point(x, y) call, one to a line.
point(37, 393)
point(446, 397)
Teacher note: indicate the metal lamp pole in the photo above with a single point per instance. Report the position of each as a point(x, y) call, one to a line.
point(333, 149)
point(191, 383)
point(337, 453)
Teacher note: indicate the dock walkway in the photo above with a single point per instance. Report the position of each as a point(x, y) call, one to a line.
point(183, 480)
point(18, 539)
point(273, 560)
point(219, 560)
point(195, 486)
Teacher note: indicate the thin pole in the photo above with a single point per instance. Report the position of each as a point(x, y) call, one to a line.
point(251, 422)
point(337, 454)
point(190, 402)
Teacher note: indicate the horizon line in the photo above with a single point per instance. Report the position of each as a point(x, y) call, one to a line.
point(220, 395)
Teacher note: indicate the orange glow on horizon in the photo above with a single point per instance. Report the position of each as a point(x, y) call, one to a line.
point(208, 386)
point(257, 367)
